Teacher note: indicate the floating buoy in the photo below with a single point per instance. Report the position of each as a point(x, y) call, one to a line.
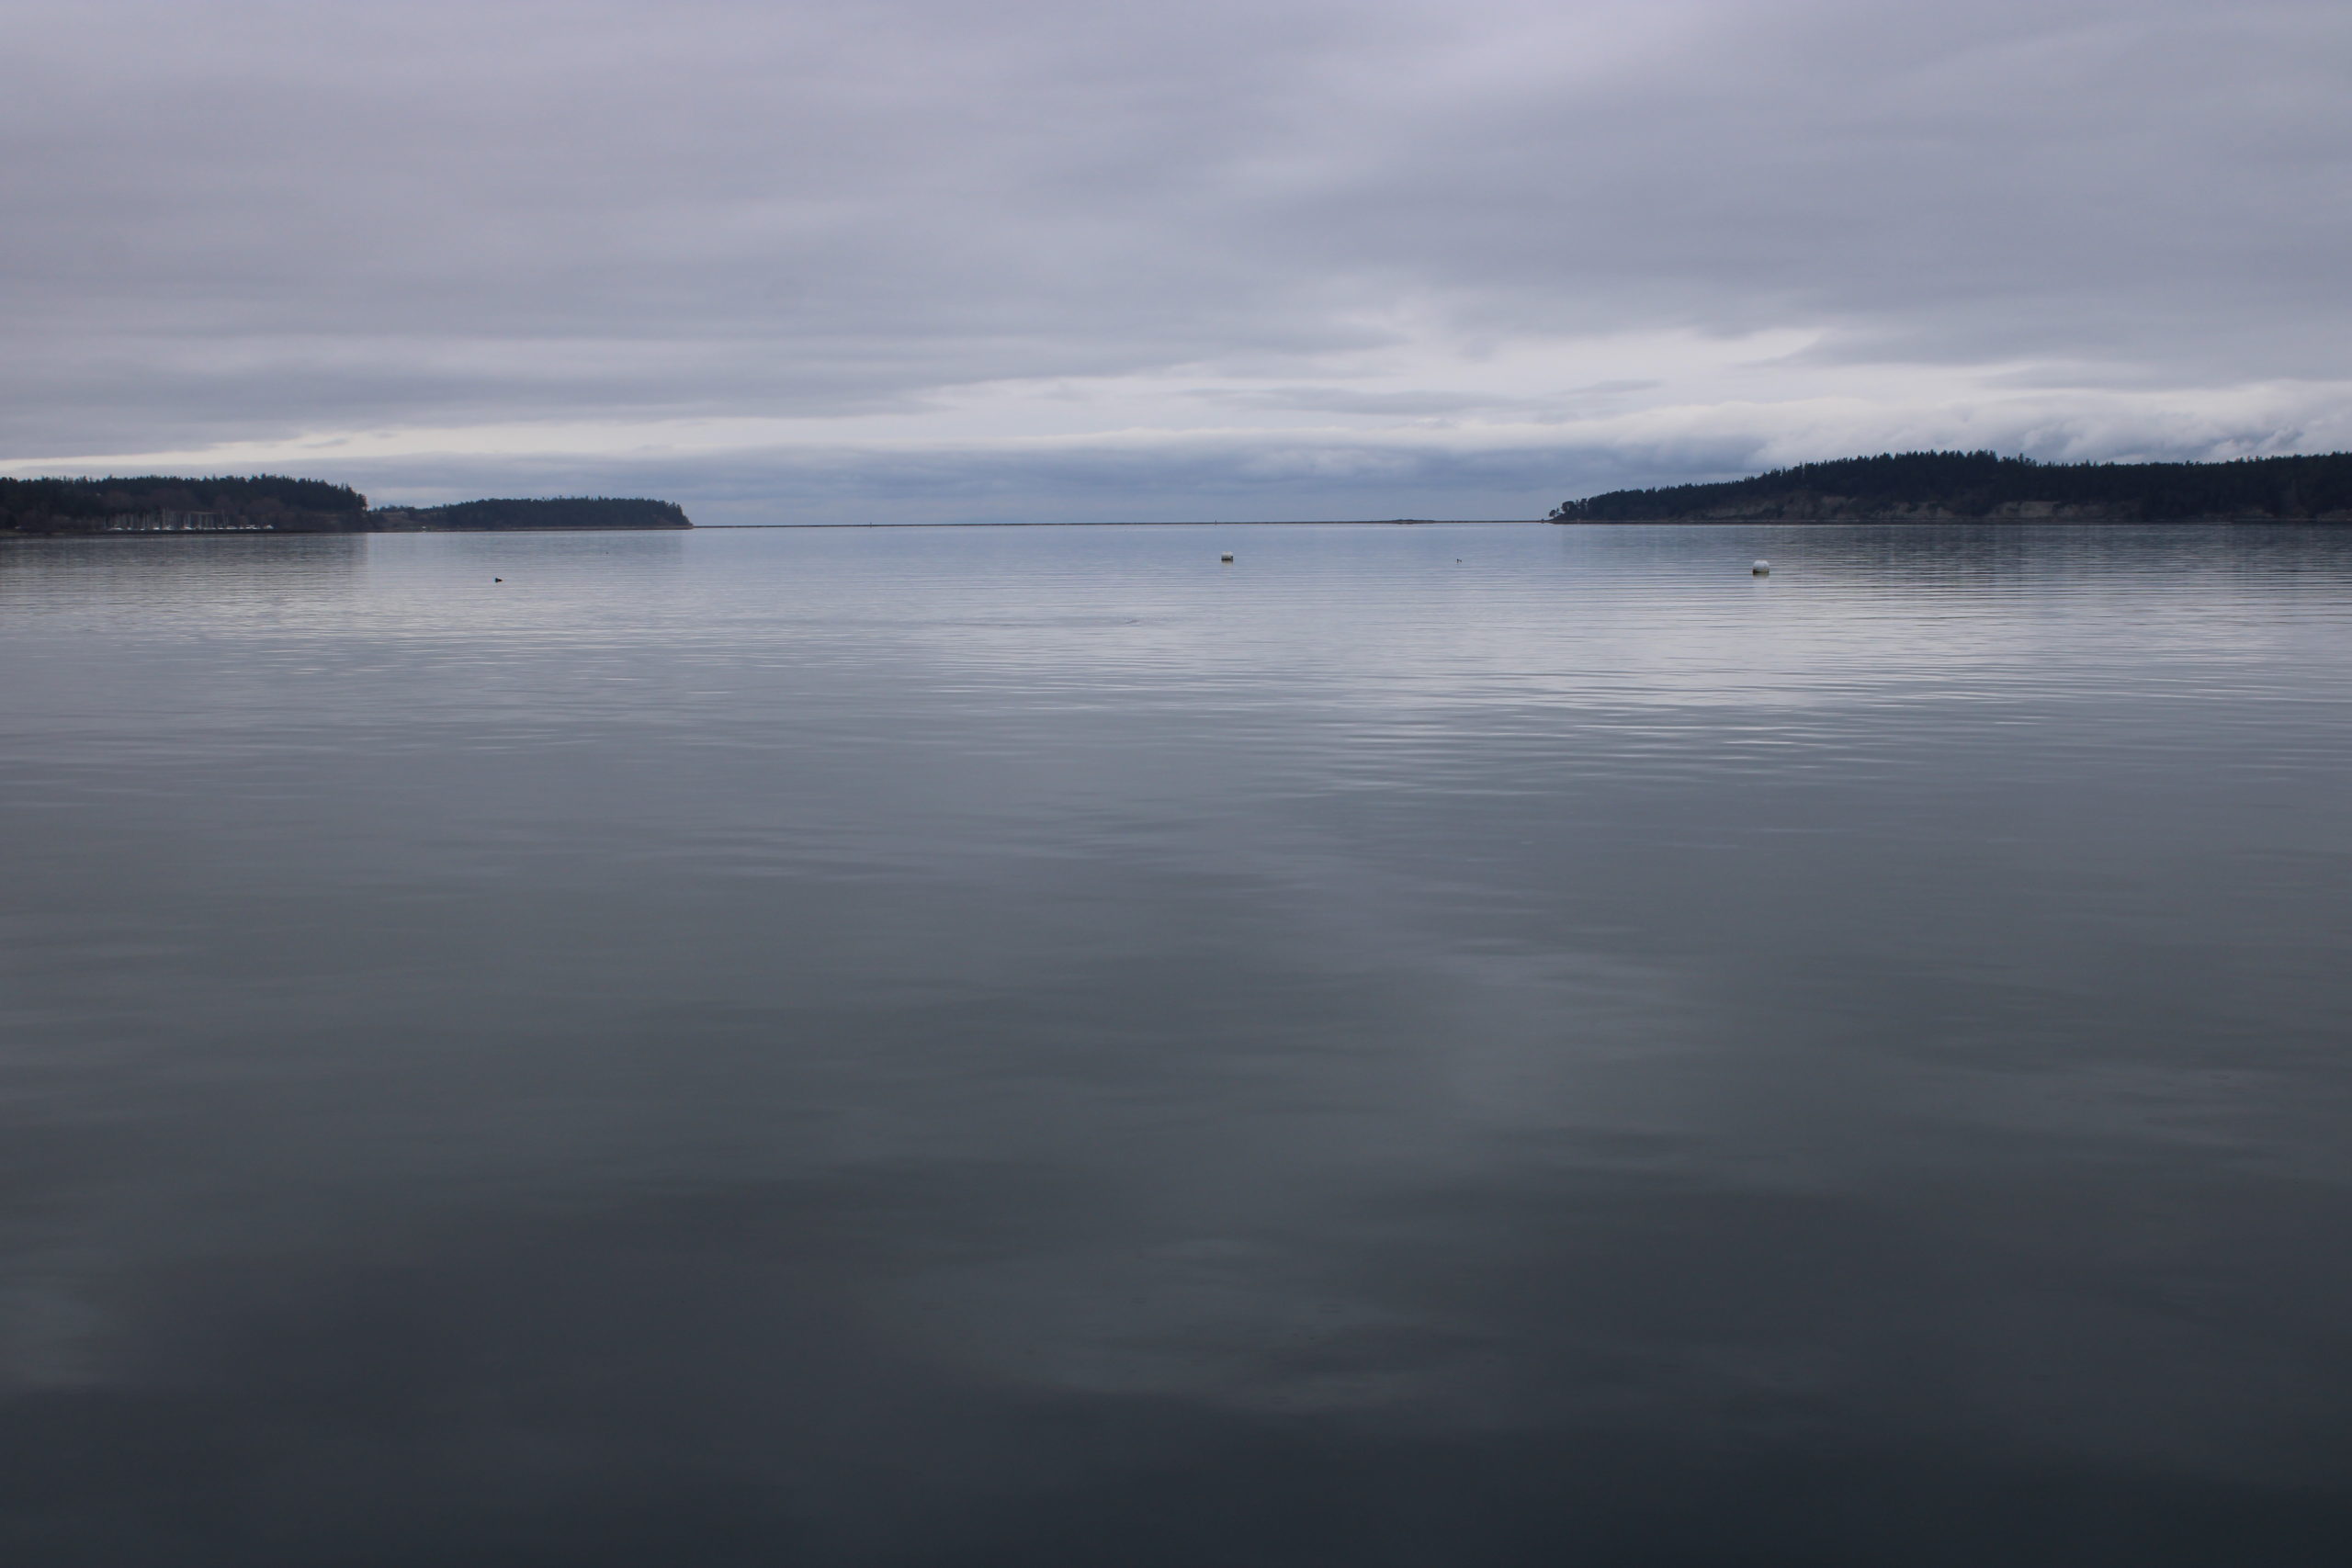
point(1761, 568)
point(1227, 558)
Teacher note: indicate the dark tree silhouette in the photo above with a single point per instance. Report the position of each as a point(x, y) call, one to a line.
point(274, 503)
point(1919, 485)
point(258, 500)
point(558, 511)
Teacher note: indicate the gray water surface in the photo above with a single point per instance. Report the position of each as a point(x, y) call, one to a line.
point(1432, 1046)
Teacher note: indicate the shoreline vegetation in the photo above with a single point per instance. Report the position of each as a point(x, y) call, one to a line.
point(1905, 487)
point(273, 504)
point(1983, 487)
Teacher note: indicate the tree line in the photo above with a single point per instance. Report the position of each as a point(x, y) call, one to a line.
point(556, 511)
point(1975, 484)
point(68, 505)
point(275, 503)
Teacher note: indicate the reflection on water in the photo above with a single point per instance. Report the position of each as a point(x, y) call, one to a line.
point(1496, 1044)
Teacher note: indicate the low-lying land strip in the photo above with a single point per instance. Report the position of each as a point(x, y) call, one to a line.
point(1938, 487)
point(271, 503)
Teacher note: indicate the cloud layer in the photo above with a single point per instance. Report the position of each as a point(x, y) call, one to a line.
point(920, 260)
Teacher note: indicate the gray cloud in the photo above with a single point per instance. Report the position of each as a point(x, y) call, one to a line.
point(1027, 257)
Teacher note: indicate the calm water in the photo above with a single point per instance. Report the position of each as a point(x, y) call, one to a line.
point(1423, 1047)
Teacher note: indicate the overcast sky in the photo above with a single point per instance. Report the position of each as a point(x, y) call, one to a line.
point(1043, 259)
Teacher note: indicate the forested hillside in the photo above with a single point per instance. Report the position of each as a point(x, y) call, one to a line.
point(272, 503)
point(1931, 486)
point(157, 502)
point(559, 511)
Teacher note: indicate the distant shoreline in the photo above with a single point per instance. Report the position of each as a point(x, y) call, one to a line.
point(152, 504)
point(8, 534)
point(1608, 523)
point(1258, 523)
point(1984, 487)
point(1906, 524)
point(744, 527)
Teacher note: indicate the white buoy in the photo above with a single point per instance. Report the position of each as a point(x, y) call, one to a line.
point(1227, 558)
point(1762, 568)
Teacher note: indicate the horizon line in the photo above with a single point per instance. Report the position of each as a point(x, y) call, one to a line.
point(1168, 522)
